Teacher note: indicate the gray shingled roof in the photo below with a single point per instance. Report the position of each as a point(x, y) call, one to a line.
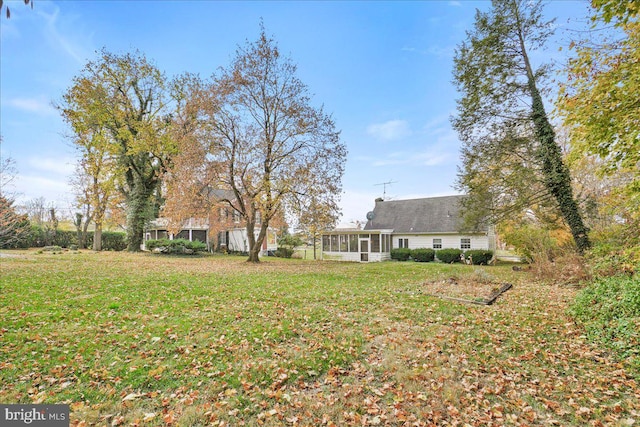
point(429, 215)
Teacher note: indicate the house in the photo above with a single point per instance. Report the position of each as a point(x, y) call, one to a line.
point(230, 238)
point(433, 222)
point(222, 231)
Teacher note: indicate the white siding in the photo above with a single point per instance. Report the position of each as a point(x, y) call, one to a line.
point(355, 256)
point(238, 241)
point(448, 241)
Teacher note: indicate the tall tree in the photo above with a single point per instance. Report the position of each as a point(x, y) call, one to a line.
point(501, 104)
point(263, 141)
point(125, 102)
point(599, 101)
point(317, 216)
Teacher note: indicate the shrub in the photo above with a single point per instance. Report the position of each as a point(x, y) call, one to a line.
point(284, 252)
point(609, 310)
point(177, 246)
point(64, 238)
point(610, 260)
point(423, 255)
point(114, 241)
point(449, 256)
point(479, 256)
point(400, 254)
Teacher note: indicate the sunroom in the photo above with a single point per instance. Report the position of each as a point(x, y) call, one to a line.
point(356, 245)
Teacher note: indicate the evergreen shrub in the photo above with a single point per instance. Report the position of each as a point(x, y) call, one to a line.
point(479, 256)
point(449, 256)
point(401, 254)
point(423, 254)
point(176, 246)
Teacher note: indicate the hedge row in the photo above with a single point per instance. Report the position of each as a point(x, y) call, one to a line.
point(38, 237)
point(448, 256)
point(176, 246)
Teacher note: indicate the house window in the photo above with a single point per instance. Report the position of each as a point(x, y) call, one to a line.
point(465, 243)
point(437, 243)
point(236, 216)
point(403, 243)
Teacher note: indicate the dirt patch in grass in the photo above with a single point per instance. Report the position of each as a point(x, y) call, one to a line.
point(479, 286)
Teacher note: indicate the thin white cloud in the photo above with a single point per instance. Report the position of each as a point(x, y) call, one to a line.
point(61, 166)
point(32, 105)
point(455, 3)
point(29, 187)
point(392, 130)
point(58, 39)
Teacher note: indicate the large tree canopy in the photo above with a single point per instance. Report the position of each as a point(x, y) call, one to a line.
point(511, 160)
point(599, 101)
point(121, 106)
point(260, 139)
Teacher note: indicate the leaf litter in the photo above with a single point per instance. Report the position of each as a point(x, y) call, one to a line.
point(303, 344)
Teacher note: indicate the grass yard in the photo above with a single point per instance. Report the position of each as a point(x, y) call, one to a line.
point(140, 339)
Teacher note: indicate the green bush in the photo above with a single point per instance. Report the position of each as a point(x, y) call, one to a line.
point(284, 252)
point(114, 241)
point(479, 256)
point(449, 256)
point(609, 310)
point(64, 238)
point(401, 254)
point(610, 260)
point(176, 246)
point(423, 254)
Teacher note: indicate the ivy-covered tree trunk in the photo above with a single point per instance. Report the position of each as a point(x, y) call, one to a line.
point(556, 174)
point(139, 210)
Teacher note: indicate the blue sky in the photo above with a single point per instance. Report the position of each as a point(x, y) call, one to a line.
point(383, 69)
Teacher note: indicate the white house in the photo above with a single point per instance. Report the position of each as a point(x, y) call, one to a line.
point(433, 222)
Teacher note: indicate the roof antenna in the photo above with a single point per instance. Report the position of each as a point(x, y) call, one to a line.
point(384, 188)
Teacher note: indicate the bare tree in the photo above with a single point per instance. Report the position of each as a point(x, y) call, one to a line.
point(262, 141)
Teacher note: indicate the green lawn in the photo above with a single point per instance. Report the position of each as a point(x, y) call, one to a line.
point(140, 339)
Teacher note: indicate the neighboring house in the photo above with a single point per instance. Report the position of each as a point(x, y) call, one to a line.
point(232, 237)
point(226, 234)
point(433, 222)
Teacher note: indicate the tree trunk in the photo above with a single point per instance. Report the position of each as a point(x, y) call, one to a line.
point(557, 178)
point(315, 242)
point(83, 240)
point(255, 244)
point(137, 217)
point(556, 174)
point(97, 238)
